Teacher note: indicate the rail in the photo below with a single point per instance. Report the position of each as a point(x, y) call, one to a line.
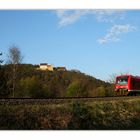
point(20, 101)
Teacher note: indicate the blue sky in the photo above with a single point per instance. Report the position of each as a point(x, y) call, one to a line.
point(97, 42)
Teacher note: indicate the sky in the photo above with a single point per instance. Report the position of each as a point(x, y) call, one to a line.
point(99, 43)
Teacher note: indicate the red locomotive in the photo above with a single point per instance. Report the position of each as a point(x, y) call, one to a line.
point(127, 85)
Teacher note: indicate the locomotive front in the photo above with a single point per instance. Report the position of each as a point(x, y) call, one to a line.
point(122, 85)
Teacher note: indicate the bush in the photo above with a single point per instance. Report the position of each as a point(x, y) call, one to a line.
point(31, 87)
point(100, 91)
point(76, 89)
point(81, 117)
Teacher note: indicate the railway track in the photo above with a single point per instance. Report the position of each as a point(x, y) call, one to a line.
point(28, 101)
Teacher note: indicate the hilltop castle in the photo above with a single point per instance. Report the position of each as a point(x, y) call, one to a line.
point(45, 66)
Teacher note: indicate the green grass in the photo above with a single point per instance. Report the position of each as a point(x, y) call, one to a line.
point(77, 115)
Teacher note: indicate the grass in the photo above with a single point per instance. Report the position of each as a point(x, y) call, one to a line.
point(77, 115)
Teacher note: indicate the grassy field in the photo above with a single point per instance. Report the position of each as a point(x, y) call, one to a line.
point(76, 115)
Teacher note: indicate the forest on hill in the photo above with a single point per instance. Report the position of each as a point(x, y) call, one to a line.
point(29, 82)
point(18, 80)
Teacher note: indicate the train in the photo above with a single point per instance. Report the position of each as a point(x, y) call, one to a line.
point(127, 85)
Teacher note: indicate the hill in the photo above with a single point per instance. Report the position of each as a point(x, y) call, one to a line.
point(33, 83)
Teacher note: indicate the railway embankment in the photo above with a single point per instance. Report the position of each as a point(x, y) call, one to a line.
point(120, 113)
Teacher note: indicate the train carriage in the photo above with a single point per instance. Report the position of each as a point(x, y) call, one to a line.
point(127, 85)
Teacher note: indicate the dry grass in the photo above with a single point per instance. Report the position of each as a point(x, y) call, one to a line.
point(77, 115)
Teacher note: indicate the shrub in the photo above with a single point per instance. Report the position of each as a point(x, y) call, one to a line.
point(31, 87)
point(100, 91)
point(81, 117)
point(76, 89)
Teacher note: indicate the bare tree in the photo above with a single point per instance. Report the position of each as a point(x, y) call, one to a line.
point(112, 79)
point(14, 58)
point(1, 74)
point(3, 81)
point(1, 61)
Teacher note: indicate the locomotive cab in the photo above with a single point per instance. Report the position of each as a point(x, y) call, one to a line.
point(121, 85)
point(127, 85)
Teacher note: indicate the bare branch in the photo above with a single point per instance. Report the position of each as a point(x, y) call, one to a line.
point(14, 56)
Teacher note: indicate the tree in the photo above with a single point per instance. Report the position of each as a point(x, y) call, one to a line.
point(3, 80)
point(1, 76)
point(76, 89)
point(14, 58)
point(112, 78)
point(100, 91)
point(1, 61)
point(32, 87)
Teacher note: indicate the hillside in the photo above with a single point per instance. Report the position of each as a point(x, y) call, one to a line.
point(33, 83)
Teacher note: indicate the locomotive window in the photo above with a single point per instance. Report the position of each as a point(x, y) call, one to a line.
point(122, 81)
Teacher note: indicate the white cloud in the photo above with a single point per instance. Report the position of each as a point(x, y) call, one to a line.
point(114, 33)
point(67, 17)
point(71, 16)
point(109, 15)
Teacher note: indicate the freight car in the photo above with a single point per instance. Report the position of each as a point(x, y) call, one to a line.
point(127, 85)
